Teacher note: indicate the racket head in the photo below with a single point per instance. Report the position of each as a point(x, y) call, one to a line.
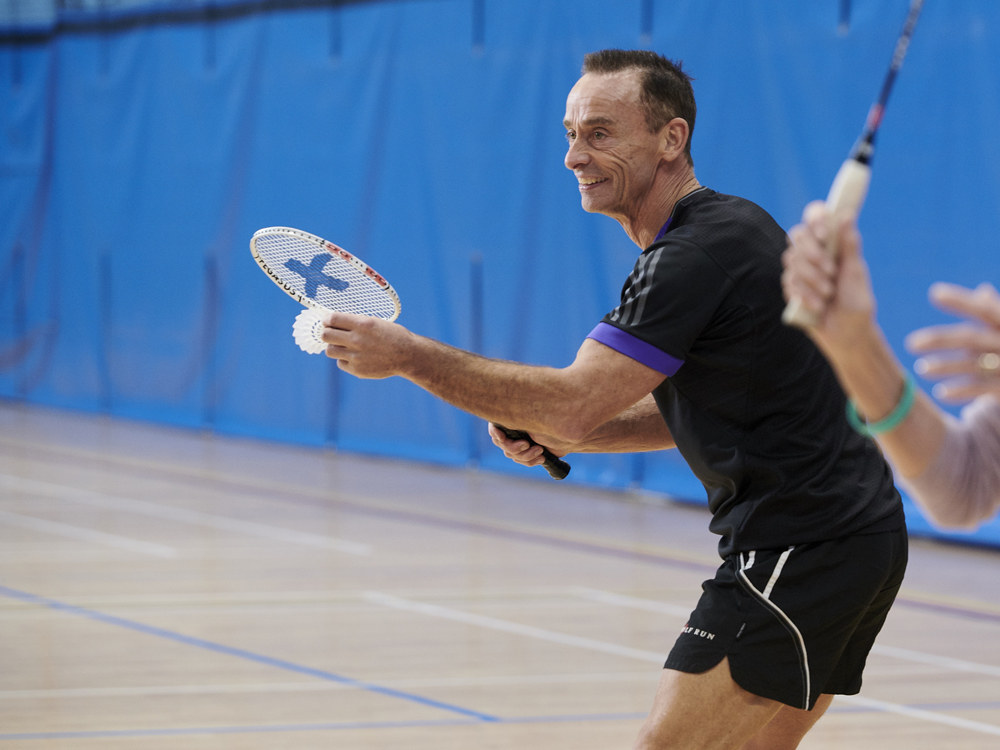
point(321, 275)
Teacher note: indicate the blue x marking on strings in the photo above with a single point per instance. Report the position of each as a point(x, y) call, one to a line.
point(314, 276)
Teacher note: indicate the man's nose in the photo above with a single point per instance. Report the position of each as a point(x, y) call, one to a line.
point(576, 155)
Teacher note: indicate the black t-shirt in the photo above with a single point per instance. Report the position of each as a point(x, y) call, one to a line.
point(753, 405)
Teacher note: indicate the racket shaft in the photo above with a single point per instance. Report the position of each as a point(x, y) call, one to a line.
point(847, 196)
point(557, 468)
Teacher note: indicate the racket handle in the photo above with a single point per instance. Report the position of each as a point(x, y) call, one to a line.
point(557, 468)
point(847, 195)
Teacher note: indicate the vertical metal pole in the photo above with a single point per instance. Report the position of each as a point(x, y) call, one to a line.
point(105, 302)
point(15, 66)
point(475, 345)
point(210, 340)
point(104, 61)
point(844, 24)
point(209, 36)
point(19, 289)
point(336, 32)
point(478, 26)
point(646, 23)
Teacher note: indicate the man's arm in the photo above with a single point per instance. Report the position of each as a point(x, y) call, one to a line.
point(568, 403)
point(639, 428)
point(839, 292)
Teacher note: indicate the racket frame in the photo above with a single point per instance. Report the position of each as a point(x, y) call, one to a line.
point(334, 250)
point(850, 187)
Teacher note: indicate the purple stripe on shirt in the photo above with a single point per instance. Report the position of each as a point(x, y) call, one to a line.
point(634, 348)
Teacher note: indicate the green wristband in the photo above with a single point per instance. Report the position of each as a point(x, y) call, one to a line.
point(892, 421)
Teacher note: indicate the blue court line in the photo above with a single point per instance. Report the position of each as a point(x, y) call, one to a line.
point(348, 725)
point(416, 724)
point(239, 653)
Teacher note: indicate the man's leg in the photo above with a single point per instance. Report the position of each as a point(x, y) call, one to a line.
point(706, 711)
point(786, 730)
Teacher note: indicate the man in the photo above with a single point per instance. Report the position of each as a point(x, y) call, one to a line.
point(695, 356)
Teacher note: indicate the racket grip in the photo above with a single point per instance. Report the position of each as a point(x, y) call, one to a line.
point(847, 195)
point(557, 468)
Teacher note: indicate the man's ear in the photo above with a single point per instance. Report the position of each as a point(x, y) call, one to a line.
point(673, 138)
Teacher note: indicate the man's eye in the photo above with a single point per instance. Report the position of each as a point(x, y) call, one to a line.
point(570, 135)
point(598, 136)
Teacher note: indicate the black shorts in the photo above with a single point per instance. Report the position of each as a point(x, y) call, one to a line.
point(796, 622)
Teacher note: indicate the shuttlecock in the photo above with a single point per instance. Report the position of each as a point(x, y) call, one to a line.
point(308, 330)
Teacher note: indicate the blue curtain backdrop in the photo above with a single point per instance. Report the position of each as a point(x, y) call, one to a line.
point(141, 144)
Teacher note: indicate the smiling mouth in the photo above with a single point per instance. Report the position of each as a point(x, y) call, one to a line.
point(589, 182)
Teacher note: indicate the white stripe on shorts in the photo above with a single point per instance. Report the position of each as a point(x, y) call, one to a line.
point(764, 597)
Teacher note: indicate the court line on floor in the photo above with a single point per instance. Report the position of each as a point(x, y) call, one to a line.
point(956, 665)
point(310, 687)
point(377, 508)
point(919, 713)
point(182, 515)
point(249, 729)
point(666, 557)
point(220, 648)
point(864, 705)
point(82, 534)
point(492, 623)
point(506, 626)
point(633, 602)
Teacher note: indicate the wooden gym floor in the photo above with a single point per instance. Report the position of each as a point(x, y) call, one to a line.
point(162, 589)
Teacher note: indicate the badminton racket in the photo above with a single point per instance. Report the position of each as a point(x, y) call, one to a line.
point(850, 186)
point(324, 278)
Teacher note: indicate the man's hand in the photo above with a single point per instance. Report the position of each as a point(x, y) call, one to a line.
point(522, 452)
point(968, 354)
point(837, 290)
point(366, 347)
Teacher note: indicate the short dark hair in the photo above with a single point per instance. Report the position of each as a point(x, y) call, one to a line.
point(665, 89)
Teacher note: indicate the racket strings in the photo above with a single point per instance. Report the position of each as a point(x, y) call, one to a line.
point(326, 279)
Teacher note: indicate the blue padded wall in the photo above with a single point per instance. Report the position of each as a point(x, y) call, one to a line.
point(138, 153)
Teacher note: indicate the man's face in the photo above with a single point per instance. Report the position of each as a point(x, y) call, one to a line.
point(611, 151)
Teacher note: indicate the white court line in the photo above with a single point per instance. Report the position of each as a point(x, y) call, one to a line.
point(86, 535)
point(432, 610)
point(156, 510)
point(633, 602)
point(957, 665)
point(548, 635)
point(322, 686)
point(919, 713)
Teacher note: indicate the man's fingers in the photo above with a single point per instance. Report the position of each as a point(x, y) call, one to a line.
point(517, 450)
point(956, 392)
point(848, 237)
point(981, 303)
point(817, 218)
point(808, 274)
point(957, 336)
point(934, 368)
point(343, 321)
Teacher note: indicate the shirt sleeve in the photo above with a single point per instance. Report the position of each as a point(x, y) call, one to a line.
point(667, 302)
point(961, 486)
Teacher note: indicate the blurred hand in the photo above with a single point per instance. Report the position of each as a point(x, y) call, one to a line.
point(967, 354)
point(522, 452)
point(837, 290)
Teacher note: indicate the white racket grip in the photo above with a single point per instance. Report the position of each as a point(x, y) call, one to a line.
point(847, 195)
